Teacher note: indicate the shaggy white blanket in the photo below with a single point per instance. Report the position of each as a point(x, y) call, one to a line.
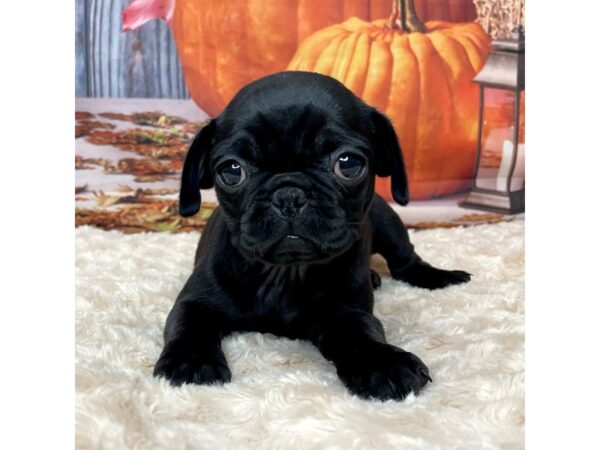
point(284, 394)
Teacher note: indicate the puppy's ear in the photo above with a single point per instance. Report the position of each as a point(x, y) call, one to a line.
point(196, 173)
point(388, 156)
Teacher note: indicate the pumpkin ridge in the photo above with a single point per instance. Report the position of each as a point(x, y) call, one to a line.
point(480, 44)
point(366, 67)
point(306, 53)
point(301, 60)
point(482, 47)
point(462, 88)
point(342, 64)
point(403, 113)
point(476, 36)
point(416, 163)
point(445, 139)
point(447, 170)
point(447, 68)
point(447, 73)
point(348, 59)
point(435, 135)
point(377, 81)
point(357, 62)
point(476, 32)
point(460, 48)
point(472, 55)
point(326, 59)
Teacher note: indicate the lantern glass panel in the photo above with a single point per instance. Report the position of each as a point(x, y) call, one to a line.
point(496, 139)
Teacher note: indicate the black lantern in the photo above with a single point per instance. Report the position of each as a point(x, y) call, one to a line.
point(499, 179)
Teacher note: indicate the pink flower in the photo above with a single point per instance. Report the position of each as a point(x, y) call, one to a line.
point(141, 11)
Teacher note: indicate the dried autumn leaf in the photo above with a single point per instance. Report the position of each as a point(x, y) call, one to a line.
point(132, 218)
point(84, 127)
point(205, 213)
point(138, 197)
point(82, 115)
point(124, 188)
point(105, 200)
point(156, 119)
point(147, 191)
point(167, 227)
point(155, 144)
point(116, 116)
point(80, 163)
point(146, 166)
point(160, 191)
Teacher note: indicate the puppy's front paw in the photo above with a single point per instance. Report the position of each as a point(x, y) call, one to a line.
point(425, 276)
point(181, 364)
point(384, 373)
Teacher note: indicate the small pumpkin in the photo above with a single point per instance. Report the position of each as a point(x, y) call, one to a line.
point(420, 75)
point(223, 45)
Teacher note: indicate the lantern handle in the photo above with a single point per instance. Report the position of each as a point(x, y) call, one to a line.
point(404, 17)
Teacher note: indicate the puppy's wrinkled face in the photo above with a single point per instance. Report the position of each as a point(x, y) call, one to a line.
point(294, 183)
point(293, 160)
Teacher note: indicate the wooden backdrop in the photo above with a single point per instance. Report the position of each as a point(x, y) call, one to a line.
point(111, 63)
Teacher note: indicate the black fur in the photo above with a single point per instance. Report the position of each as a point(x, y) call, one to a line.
point(287, 252)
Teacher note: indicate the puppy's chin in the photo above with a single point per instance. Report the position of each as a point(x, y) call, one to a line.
point(293, 250)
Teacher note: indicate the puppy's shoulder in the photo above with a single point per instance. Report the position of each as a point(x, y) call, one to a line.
point(214, 234)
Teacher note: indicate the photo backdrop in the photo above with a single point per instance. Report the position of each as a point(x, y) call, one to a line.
point(415, 61)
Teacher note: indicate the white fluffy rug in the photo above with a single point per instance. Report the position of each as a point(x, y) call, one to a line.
point(284, 394)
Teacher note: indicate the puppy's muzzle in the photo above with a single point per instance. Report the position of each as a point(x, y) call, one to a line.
point(289, 201)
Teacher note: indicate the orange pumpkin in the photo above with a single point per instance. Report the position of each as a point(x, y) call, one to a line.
point(224, 45)
point(421, 80)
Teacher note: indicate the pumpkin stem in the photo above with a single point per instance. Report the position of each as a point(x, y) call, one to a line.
point(404, 17)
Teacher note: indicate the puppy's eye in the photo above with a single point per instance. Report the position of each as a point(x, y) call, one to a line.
point(231, 173)
point(349, 166)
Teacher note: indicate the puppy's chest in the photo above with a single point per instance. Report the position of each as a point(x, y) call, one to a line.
point(281, 297)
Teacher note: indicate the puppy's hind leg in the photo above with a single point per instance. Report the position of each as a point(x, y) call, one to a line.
point(375, 280)
point(390, 239)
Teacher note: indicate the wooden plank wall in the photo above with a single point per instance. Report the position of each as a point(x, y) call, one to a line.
point(111, 63)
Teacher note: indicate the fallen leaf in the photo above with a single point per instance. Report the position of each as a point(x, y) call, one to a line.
point(105, 200)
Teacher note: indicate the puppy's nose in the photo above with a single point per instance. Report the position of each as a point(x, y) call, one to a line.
point(289, 200)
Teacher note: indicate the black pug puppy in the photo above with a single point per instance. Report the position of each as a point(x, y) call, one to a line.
point(293, 159)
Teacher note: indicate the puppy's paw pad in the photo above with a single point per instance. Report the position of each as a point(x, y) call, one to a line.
point(384, 375)
point(429, 277)
point(181, 367)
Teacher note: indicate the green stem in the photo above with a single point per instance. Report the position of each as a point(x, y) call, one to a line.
point(404, 17)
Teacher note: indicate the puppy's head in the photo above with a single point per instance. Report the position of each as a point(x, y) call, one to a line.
point(293, 160)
